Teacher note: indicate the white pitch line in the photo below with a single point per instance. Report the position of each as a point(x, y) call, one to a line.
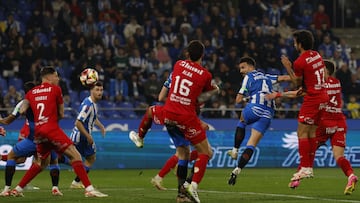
point(277, 195)
point(282, 195)
point(229, 192)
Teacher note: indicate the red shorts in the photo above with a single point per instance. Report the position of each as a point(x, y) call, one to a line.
point(190, 125)
point(158, 114)
point(50, 137)
point(310, 110)
point(333, 129)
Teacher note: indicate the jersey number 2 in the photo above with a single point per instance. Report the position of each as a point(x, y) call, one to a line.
point(40, 107)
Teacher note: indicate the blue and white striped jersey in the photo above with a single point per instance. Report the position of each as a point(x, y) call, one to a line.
point(167, 83)
point(255, 85)
point(87, 115)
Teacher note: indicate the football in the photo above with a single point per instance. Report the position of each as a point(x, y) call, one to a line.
point(89, 76)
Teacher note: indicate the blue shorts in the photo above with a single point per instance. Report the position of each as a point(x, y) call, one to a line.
point(24, 148)
point(85, 149)
point(53, 155)
point(177, 136)
point(27, 148)
point(259, 117)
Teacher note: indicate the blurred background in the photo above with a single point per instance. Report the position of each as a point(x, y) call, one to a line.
point(133, 45)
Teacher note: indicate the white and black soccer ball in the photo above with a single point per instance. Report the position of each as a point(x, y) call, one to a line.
point(89, 77)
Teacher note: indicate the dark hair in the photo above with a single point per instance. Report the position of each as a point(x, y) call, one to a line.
point(195, 50)
point(28, 86)
point(96, 84)
point(329, 66)
point(47, 70)
point(247, 60)
point(305, 38)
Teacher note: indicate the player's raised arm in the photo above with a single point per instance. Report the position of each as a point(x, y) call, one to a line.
point(206, 95)
point(283, 78)
point(23, 106)
point(288, 66)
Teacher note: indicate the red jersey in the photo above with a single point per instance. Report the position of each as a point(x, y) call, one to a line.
point(44, 100)
point(333, 110)
point(310, 66)
point(24, 131)
point(188, 81)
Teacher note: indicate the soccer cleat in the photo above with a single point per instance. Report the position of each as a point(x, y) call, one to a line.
point(304, 172)
point(233, 175)
point(77, 185)
point(95, 193)
point(5, 193)
point(193, 194)
point(232, 179)
point(16, 193)
point(157, 182)
point(134, 137)
point(182, 198)
point(232, 154)
point(56, 192)
point(350, 186)
point(294, 184)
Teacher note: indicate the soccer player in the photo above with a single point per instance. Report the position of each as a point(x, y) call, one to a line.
point(332, 125)
point(82, 132)
point(244, 96)
point(257, 112)
point(46, 102)
point(189, 80)
point(308, 71)
point(155, 114)
point(26, 148)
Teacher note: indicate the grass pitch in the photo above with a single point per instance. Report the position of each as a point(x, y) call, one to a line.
point(253, 185)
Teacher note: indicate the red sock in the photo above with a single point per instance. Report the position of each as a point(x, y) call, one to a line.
point(313, 146)
point(145, 124)
point(4, 157)
point(200, 167)
point(345, 166)
point(30, 174)
point(170, 163)
point(304, 151)
point(193, 155)
point(80, 172)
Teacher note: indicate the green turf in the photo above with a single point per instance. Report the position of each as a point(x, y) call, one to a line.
point(253, 185)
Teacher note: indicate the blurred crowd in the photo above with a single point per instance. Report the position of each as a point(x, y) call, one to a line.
point(133, 45)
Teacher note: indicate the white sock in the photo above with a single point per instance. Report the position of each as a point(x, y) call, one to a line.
point(237, 171)
point(158, 177)
point(6, 188)
point(89, 188)
point(19, 189)
point(194, 185)
point(75, 182)
point(235, 150)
